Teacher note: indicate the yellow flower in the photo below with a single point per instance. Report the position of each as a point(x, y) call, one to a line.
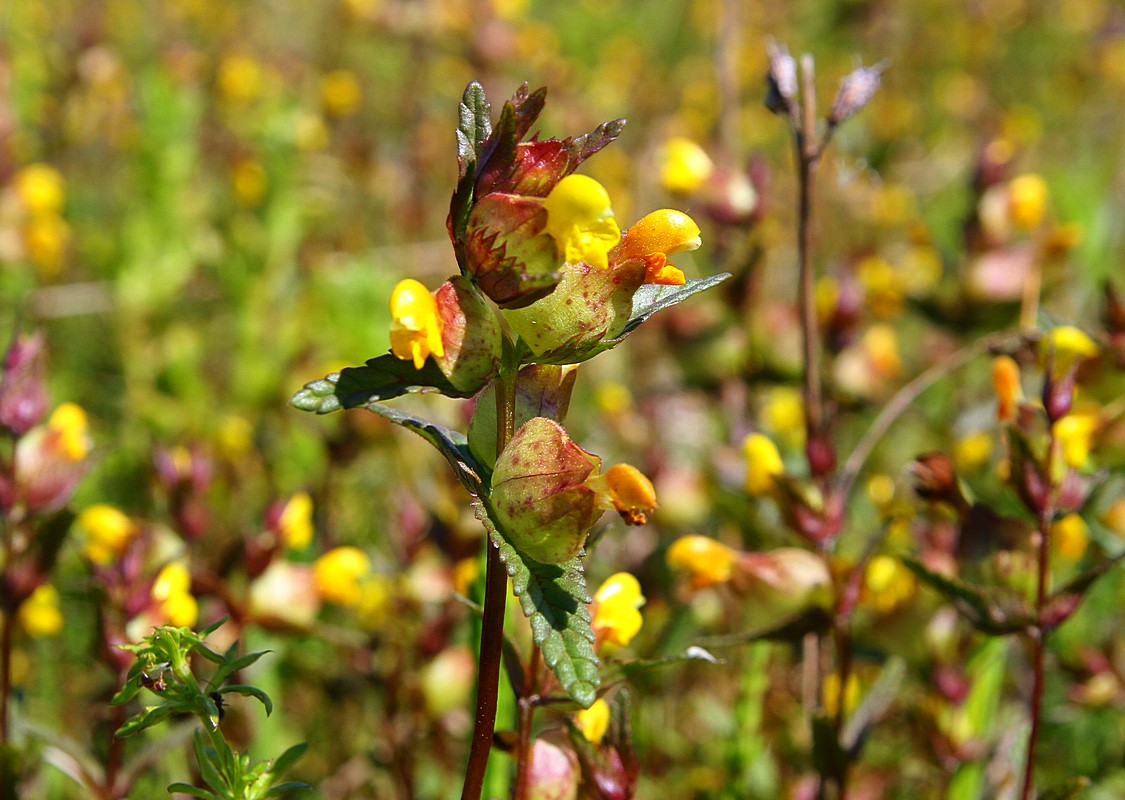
point(1069, 537)
point(107, 532)
point(684, 165)
point(763, 463)
point(39, 614)
point(972, 450)
point(594, 721)
point(882, 285)
point(415, 324)
point(707, 561)
point(783, 415)
point(40, 189)
point(889, 584)
point(1006, 385)
point(295, 522)
point(1027, 200)
point(337, 575)
point(374, 601)
point(655, 237)
point(617, 616)
point(69, 423)
point(45, 238)
point(631, 493)
point(340, 92)
point(1070, 344)
point(1114, 518)
point(1075, 436)
point(580, 220)
point(172, 590)
point(831, 689)
point(880, 344)
point(240, 78)
point(249, 180)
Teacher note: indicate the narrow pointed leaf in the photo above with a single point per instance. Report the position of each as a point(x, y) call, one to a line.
point(282, 788)
point(144, 719)
point(992, 612)
point(284, 762)
point(250, 691)
point(229, 667)
point(582, 147)
point(451, 444)
point(192, 791)
point(874, 706)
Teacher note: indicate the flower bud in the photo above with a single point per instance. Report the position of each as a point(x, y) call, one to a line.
point(553, 772)
point(856, 90)
point(542, 390)
point(540, 495)
point(781, 79)
point(1006, 385)
point(470, 334)
point(705, 560)
point(23, 391)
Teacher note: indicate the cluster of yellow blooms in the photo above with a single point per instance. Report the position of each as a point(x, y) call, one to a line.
point(40, 189)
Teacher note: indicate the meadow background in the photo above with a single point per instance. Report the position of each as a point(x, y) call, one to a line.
point(205, 204)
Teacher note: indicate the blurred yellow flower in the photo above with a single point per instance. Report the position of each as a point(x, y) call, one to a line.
point(40, 189)
point(295, 522)
point(374, 601)
point(69, 423)
point(888, 583)
point(172, 590)
point(880, 345)
point(763, 463)
point(106, 532)
point(617, 616)
point(1027, 200)
point(684, 165)
point(338, 573)
point(613, 397)
point(882, 286)
point(1069, 344)
point(972, 451)
point(415, 324)
point(45, 239)
point(706, 561)
point(881, 489)
point(594, 721)
point(235, 436)
point(340, 92)
point(831, 694)
point(239, 78)
point(1114, 518)
point(783, 415)
point(1069, 537)
point(1075, 436)
point(580, 220)
point(249, 181)
point(39, 614)
point(1006, 385)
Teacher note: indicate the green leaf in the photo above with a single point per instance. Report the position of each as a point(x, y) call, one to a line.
point(452, 444)
point(250, 691)
point(582, 147)
point(874, 706)
point(553, 598)
point(188, 789)
point(214, 626)
point(640, 665)
point(474, 126)
point(990, 611)
point(647, 300)
point(144, 719)
point(381, 378)
point(1070, 790)
point(210, 762)
point(290, 786)
point(231, 665)
point(284, 762)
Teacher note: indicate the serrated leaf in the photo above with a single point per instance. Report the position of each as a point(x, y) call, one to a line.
point(990, 611)
point(381, 378)
point(473, 128)
point(647, 300)
point(553, 598)
point(188, 789)
point(250, 691)
point(143, 719)
point(450, 443)
point(284, 762)
point(582, 147)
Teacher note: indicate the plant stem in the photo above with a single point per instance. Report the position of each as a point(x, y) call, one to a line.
point(1038, 644)
point(808, 153)
point(527, 711)
point(495, 598)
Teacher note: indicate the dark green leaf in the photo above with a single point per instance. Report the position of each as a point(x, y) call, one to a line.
point(210, 762)
point(473, 128)
point(214, 626)
point(229, 667)
point(582, 147)
point(188, 789)
point(647, 300)
point(284, 762)
point(127, 692)
point(381, 378)
point(553, 598)
point(250, 691)
point(282, 788)
point(450, 443)
point(639, 665)
point(144, 719)
point(990, 611)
